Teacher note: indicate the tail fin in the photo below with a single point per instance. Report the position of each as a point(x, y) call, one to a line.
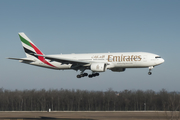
point(29, 47)
point(31, 52)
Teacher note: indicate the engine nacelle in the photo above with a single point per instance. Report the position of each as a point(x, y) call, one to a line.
point(118, 69)
point(98, 67)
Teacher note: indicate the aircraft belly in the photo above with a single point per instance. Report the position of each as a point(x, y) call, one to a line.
point(130, 64)
point(65, 66)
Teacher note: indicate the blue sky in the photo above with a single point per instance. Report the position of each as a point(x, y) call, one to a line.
point(81, 26)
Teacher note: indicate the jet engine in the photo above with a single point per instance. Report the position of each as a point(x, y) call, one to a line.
point(118, 69)
point(98, 67)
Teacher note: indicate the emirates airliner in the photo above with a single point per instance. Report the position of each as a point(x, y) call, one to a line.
point(96, 62)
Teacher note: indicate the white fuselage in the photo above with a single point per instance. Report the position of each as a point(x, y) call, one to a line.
point(113, 60)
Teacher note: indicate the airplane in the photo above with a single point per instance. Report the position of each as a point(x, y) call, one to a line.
point(96, 62)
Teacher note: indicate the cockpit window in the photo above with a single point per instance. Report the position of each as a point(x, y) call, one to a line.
point(157, 57)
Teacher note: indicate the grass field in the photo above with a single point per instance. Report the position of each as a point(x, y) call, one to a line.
point(96, 115)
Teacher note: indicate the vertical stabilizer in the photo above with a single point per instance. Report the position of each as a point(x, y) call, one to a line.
point(31, 50)
point(29, 47)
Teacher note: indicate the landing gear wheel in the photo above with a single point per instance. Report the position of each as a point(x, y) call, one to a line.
point(94, 75)
point(82, 75)
point(85, 74)
point(149, 73)
point(97, 74)
point(78, 76)
point(90, 76)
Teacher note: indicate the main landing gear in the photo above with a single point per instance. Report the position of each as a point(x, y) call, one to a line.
point(85, 74)
point(93, 75)
point(150, 68)
point(82, 75)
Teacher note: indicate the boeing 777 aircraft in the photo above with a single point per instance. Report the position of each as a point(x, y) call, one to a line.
point(96, 62)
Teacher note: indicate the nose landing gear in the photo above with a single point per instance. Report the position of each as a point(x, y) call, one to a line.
point(150, 68)
point(149, 73)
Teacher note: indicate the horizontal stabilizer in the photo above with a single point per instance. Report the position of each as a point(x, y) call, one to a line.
point(24, 59)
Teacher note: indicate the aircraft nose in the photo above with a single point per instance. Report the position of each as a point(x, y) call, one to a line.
point(159, 61)
point(162, 60)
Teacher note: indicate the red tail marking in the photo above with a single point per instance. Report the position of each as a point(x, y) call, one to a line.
point(40, 57)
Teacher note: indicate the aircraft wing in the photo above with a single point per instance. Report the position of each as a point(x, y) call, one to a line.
point(63, 60)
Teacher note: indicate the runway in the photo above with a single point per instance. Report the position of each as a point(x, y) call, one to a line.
point(90, 115)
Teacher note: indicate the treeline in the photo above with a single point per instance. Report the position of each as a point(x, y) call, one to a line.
point(83, 100)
